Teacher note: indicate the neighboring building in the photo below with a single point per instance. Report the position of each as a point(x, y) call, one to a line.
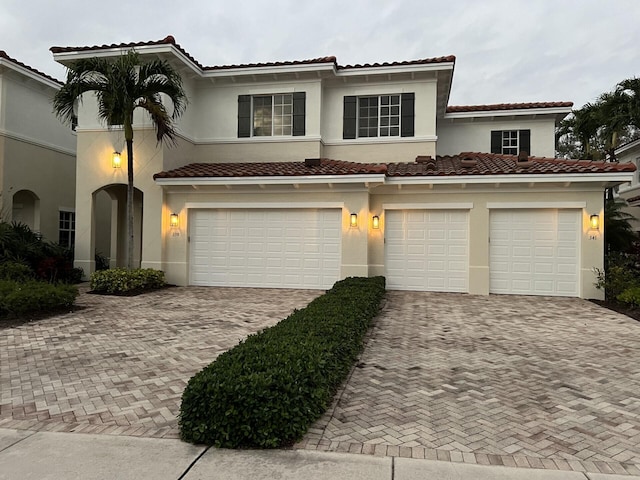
point(297, 174)
point(630, 153)
point(37, 154)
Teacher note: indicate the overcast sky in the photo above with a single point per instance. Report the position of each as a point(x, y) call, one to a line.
point(507, 50)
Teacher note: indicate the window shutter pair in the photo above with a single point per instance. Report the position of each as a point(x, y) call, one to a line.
point(350, 116)
point(524, 140)
point(299, 114)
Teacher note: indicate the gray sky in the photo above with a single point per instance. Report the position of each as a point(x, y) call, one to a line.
point(507, 50)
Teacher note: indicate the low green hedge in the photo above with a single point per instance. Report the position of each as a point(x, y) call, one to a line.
point(121, 280)
point(270, 388)
point(19, 298)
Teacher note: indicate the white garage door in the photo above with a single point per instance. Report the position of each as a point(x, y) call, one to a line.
point(285, 248)
point(535, 252)
point(427, 250)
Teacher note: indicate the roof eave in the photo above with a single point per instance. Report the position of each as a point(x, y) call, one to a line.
point(564, 111)
point(615, 177)
point(30, 74)
point(394, 69)
point(272, 179)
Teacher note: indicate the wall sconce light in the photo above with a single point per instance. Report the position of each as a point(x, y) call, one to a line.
point(375, 222)
point(174, 220)
point(116, 161)
point(594, 222)
point(353, 220)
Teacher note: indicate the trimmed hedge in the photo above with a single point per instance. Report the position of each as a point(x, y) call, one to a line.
point(270, 388)
point(18, 272)
point(19, 298)
point(121, 280)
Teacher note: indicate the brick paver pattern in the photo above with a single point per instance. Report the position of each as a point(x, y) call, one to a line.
point(515, 380)
point(119, 365)
point(510, 380)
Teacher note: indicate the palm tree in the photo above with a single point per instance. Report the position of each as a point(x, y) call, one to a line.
point(121, 85)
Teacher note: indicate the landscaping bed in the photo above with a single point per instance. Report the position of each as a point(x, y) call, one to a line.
point(270, 388)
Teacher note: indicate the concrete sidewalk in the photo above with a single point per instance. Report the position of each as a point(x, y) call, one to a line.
point(26, 455)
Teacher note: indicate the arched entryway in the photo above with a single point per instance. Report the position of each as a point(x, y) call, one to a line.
point(26, 209)
point(110, 225)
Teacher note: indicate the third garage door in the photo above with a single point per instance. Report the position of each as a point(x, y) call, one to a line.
point(535, 252)
point(427, 250)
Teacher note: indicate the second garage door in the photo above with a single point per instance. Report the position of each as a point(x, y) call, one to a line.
point(427, 250)
point(282, 248)
point(535, 252)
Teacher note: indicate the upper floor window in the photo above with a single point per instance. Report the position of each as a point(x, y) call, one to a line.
point(511, 142)
point(280, 114)
point(67, 228)
point(379, 116)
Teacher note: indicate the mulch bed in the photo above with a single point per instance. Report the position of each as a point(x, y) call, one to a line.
point(620, 308)
point(130, 293)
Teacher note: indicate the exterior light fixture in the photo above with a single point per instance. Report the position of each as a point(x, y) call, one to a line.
point(174, 220)
point(594, 222)
point(116, 160)
point(375, 222)
point(353, 220)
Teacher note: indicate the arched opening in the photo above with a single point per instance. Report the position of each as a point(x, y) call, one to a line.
point(26, 209)
point(110, 226)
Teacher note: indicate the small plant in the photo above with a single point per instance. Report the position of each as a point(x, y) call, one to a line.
point(269, 389)
point(622, 271)
point(121, 280)
point(630, 296)
point(20, 298)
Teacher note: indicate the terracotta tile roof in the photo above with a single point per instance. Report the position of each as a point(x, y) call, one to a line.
point(4, 55)
point(471, 163)
point(170, 40)
point(506, 106)
point(272, 169)
point(468, 163)
point(424, 61)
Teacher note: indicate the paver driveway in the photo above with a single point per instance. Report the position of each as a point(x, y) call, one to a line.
point(526, 381)
point(119, 365)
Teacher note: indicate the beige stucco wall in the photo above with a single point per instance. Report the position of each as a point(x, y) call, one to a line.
point(404, 150)
point(591, 250)
point(47, 173)
point(475, 136)
point(293, 149)
point(94, 172)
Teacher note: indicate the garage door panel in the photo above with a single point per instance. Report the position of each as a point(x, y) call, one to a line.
point(266, 248)
point(535, 252)
point(427, 250)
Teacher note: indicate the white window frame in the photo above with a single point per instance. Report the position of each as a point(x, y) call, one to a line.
point(380, 115)
point(277, 128)
point(510, 142)
point(70, 230)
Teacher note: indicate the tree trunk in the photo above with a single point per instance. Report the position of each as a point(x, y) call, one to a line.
point(129, 201)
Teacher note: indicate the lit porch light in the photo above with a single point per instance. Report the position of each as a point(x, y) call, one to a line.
point(353, 220)
point(116, 160)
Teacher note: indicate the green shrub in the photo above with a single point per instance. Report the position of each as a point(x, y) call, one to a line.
point(622, 271)
point(270, 388)
point(19, 298)
point(630, 296)
point(121, 280)
point(16, 271)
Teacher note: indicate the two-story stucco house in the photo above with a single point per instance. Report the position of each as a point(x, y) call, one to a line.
point(297, 174)
point(37, 154)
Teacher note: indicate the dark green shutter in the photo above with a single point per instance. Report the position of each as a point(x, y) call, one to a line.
point(496, 141)
point(244, 116)
point(349, 117)
point(407, 121)
point(299, 111)
point(525, 141)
